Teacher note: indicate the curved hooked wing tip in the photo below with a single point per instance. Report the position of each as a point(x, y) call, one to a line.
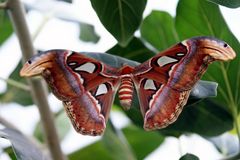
point(37, 64)
point(217, 49)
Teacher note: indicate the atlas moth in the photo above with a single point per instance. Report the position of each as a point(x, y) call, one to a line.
point(87, 87)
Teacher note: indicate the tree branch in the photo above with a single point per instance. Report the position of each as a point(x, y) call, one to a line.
point(38, 90)
point(16, 84)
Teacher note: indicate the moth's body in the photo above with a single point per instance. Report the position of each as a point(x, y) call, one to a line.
point(163, 83)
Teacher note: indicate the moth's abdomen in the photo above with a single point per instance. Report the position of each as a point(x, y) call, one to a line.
point(125, 92)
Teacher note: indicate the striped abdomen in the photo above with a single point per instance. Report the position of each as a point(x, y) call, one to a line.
point(125, 92)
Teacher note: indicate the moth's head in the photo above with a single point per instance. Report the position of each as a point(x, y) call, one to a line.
point(217, 49)
point(37, 64)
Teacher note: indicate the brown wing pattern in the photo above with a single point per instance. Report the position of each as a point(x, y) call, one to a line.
point(160, 104)
point(165, 81)
point(82, 83)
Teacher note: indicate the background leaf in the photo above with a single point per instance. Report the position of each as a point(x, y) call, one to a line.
point(10, 152)
point(189, 157)
point(62, 125)
point(158, 29)
point(137, 138)
point(15, 94)
point(206, 118)
point(142, 142)
point(6, 28)
point(228, 3)
point(87, 33)
point(116, 144)
point(90, 152)
point(135, 50)
point(120, 17)
point(18, 140)
point(111, 60)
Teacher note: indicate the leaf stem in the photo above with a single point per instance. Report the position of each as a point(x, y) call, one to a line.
point(229, 90)
point(232, 105)
point(123, 140)
point(237, 125)
point(121, 21)
point(16, 84)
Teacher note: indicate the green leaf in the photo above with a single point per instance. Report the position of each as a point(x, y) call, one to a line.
point(10, 152)
point(206, 118)
point(120, 17)
point(22, 146)
point(110, 147)
point(142, 142)
point(189, 157)
point(6, 28)
point(228, 3)
point(93, 151)
point(135, 50)
point(87, 33)
point(117, 145)
point(111, 60)
point(203, 22)
point(15, 94)
point(158, 29)
point(62, 125)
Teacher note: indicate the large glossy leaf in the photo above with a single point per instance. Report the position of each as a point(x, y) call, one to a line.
point(205, 118)
point(16, 94)
point(112, 60)
point(142, 142)
point(117, 145)
point(5, 26)
point(120, 17)
point(135, 50)
point(228, 3)
point(93, 151)
point(22, 146)
point(158, 29)
point(110, 147)
point(203, 22)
